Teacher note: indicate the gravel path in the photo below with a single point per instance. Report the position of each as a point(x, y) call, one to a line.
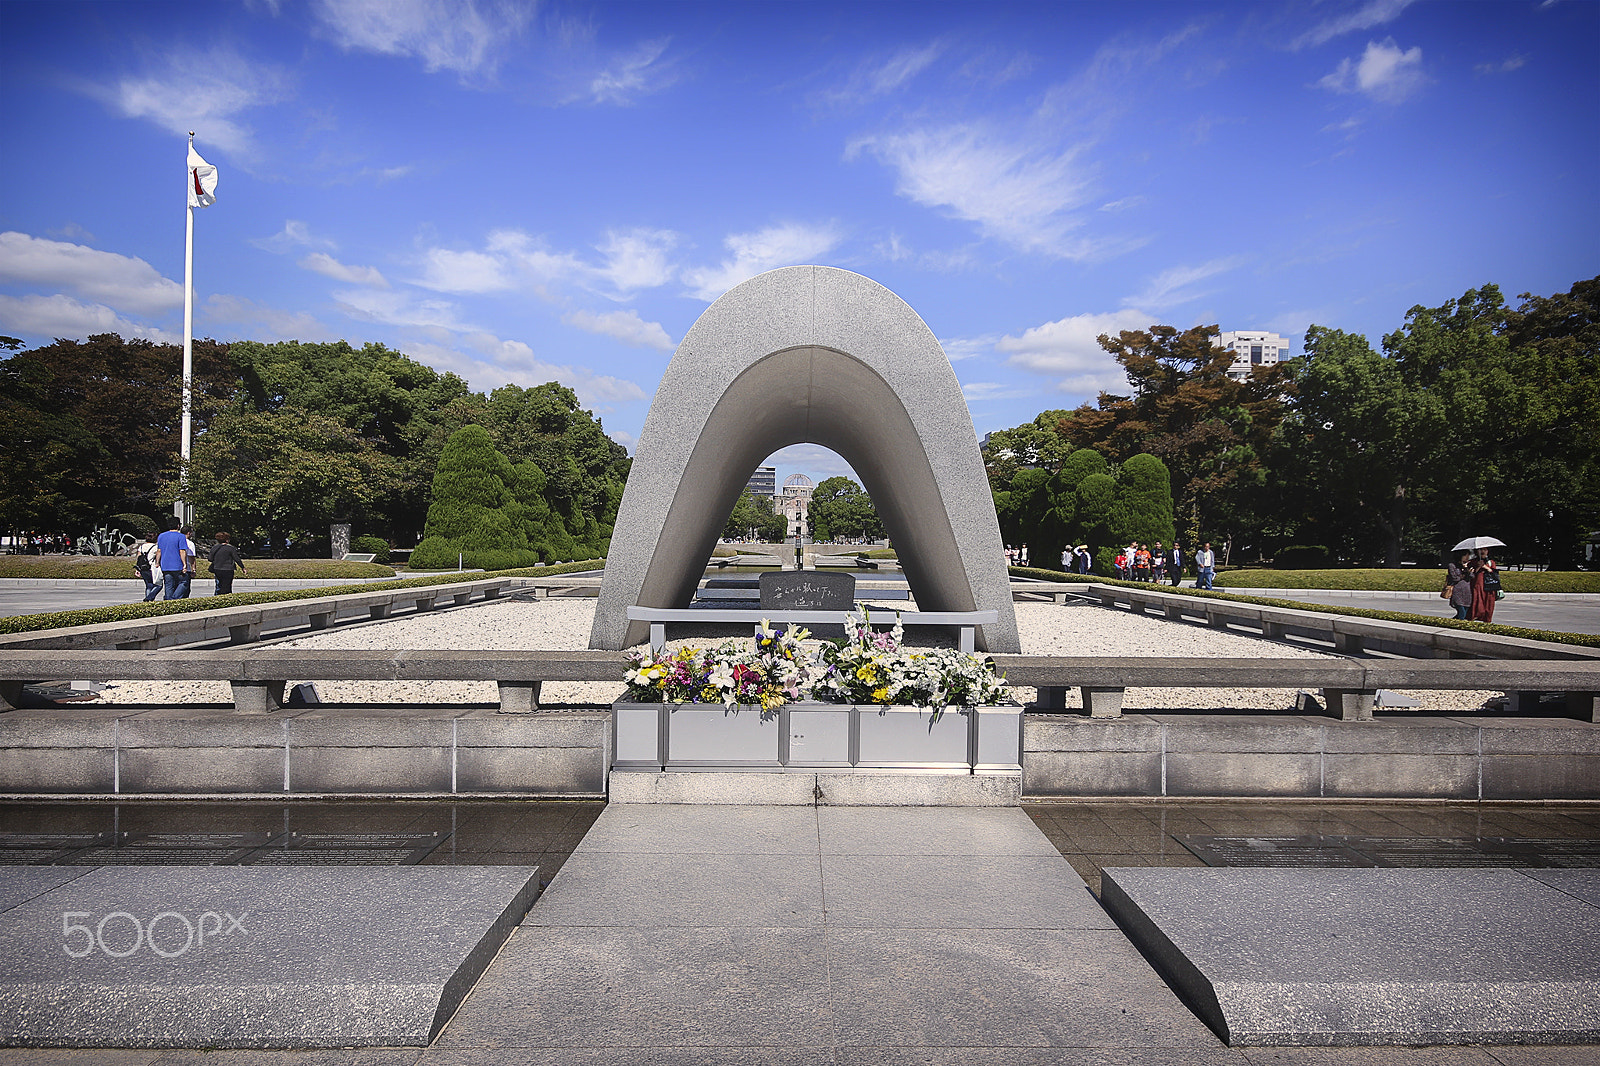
point(563, 624)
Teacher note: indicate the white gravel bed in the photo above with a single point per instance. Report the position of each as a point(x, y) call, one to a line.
point(563, 624)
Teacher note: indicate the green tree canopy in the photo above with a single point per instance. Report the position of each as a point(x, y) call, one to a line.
point(91, 429)
point(843, 510)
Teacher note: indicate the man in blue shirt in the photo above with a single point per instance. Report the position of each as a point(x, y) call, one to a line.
point(174, 548)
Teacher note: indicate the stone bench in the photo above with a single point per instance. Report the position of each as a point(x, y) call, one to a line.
point(246, 623)
point(259, 676)
point(1348, 685)
point(658, 617)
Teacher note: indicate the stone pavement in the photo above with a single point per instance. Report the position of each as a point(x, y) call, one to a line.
point(725, 935)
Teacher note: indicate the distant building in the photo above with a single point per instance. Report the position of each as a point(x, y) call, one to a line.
point(796, 498)
point(1252, 348)
point(764, 482)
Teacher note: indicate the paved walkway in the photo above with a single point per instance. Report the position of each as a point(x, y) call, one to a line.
point(782, 934)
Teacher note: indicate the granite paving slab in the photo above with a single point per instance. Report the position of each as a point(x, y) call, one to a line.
point(843, 934)
point(772, 891)
point(249, 957)
point(1339, 957)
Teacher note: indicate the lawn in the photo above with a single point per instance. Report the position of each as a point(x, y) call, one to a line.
point(103, 566)
point(1404, 579)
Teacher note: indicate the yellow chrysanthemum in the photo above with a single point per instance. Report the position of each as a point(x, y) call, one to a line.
point(880, 695)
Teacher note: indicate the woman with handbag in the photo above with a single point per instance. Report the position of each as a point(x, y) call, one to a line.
point(1458, 586)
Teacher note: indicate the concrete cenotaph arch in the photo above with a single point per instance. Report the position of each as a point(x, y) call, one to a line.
point(818, 355)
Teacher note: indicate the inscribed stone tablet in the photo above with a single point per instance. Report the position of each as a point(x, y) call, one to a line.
point(807, 590)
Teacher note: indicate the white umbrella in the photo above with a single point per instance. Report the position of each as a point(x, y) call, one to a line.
point(1474, 543)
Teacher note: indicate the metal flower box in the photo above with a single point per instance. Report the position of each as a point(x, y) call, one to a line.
point(815, 736)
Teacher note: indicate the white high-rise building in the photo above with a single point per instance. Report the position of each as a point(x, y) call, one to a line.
point(1252, 348)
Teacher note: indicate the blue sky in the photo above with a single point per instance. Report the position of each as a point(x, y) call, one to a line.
point(521, 192)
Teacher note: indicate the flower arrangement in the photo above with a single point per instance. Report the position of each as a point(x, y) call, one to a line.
point(873, 668)
point(867, 668)
point(776, 670)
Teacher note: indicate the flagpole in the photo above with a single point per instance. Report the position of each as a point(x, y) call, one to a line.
point(180, 508)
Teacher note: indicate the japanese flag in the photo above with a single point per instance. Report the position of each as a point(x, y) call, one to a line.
point(202, 180)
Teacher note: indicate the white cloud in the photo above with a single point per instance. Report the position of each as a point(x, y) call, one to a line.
point(1373, 13)
point(632, 75)
point(628, 440)
point(521, 366)
point(637, 259)
point(202, 91)
point(294, 234)
point(814, 460)
point(62, 316)
point(1113, 206)
point(1016, 192)
point(1067, 350)
point(1172, 287)
point(978, 391)
point(475, 272)
point(511, 259)
point(398, 309)
point(877, 77)
point(754, 253)
point(1515, 61)
point(124, 283)
point(257, 321)
point(1384, 73)
point(625, 326)
point(328, 266)
point(465, 36)
point(959, 348)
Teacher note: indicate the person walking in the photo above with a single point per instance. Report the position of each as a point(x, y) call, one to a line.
point(1205, 560)
point(1085, 559)
point(225, 558)
point(174, 549)
point(147, 563)
point(1458, 585)
point(1158, 564)
point(1175, 565)
point(1141, 563)
point(187, 585)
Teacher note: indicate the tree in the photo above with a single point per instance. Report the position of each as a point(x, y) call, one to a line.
point(1546, 493)
point(1143, 511)
point(1210, 431)
point(406, 409)
point(754, 518)
point(92, 429)
point(283, 476)
point(843, 509)
point(475, 511)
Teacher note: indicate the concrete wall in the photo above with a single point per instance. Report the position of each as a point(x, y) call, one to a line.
point(1278, 756)
point(350, 753)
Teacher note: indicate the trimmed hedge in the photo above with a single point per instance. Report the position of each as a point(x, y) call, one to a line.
point(125, 612)
point(1587, 640)
point(120, 567)
point(1404, 579)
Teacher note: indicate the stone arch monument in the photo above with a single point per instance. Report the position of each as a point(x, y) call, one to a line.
point(818, 355)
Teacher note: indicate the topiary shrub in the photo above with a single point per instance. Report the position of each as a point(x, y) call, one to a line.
point(376, 546)
point(137, 524)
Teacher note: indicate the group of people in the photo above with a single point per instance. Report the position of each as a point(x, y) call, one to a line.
point(1472, 585)
point(1140, 562)
point(175, 557)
